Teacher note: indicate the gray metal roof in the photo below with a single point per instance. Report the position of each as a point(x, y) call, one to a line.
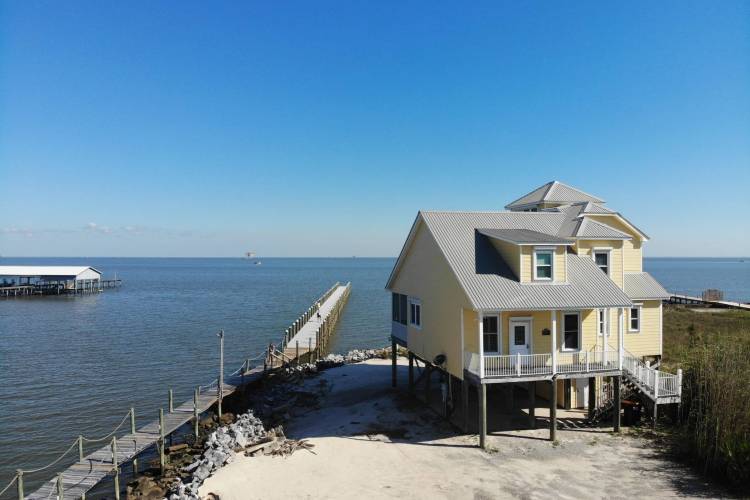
point(644, 286)
point(554, 192)
point(488, 281)
point(525, 237)
point(42, 271)
point(591, 229)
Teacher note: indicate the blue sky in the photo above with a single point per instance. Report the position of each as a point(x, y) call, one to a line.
point(320, 128)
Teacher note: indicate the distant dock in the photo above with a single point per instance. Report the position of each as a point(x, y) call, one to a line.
point(19, 281)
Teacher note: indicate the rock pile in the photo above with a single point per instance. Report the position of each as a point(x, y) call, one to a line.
point(219, 450)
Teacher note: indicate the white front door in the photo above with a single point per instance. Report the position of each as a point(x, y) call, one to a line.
point(519, 336)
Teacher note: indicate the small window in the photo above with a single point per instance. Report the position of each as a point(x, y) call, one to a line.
point(602, 261)
point(398, 308)
point(491, 332)
point(415, 313)
point(571, 332)
point(543, 264)
point(635, 319)
point(603, 322)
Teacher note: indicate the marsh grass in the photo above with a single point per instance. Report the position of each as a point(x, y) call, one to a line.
point(713, 350)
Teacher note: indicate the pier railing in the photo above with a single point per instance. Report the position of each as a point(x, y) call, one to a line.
point(118, 450)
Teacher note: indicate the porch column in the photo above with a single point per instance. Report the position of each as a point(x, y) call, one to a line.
point(620, 339)
point(481, 344)
point(532, 404)
point(482, 393)
point(592, 396)
point(394, 368)
point(553, 409)
point(617, 405)
point(553, 340)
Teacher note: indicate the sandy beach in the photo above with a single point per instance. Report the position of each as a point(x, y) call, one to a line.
point(374, 442)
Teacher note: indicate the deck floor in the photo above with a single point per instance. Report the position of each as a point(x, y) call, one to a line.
point(307, 335)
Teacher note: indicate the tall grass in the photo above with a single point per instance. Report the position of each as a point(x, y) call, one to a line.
point(713, 349)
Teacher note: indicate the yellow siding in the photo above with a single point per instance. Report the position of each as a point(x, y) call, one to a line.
point(647, 342)
point(633, 256)
point(542, 344)
point(471, 331)
point(527, 264)
point(510, 253)
point(425, 274)
point(586, 247)
point(614, 221)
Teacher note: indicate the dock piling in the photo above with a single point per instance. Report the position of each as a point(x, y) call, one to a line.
point(162, 461)
point(171, 401)
point(195, 414)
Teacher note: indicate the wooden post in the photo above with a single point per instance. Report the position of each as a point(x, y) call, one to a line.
point(132, 420)
point(532, 404)
point(482, 390)
point(411, 372)
point(465, 403)
point(60, 489)
point(162, 461)
point(394, 368)
point(220, 388)
point(296, 353)
point(553, 410)
point(309, 349)
point(171, 401)
point(617, 405)
point(428, 376)
point(592, 397)
point(80, 448)
point(553, 340)
point(195, 414)
point(19, 483)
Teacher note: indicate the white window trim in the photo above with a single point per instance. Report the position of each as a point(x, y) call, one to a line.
point(606, 323)
point(640, 318)
point(417, 303)
point(608, 251)
point(562, 332)
point(499, 333)
point(551, 251)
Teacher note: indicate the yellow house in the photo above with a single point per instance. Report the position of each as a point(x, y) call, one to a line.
point(550, 290)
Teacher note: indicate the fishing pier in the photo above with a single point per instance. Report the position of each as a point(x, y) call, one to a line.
point(126, 443)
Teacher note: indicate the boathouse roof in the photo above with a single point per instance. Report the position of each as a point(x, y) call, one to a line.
point(60, 272)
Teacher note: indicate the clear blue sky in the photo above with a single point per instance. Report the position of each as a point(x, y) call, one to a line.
point(320, 128)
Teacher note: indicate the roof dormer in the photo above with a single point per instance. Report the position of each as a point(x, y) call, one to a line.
point(551, 195)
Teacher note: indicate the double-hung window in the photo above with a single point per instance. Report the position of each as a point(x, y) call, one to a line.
point(603, 322)
point(635, 319)
point(415, 313)
point(601, 258)
point(571, 332)
point(491, 331)
point(544, 264)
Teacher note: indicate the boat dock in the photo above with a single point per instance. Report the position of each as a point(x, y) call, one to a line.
point(20, 281)
point(113, 452)
point(690, 300)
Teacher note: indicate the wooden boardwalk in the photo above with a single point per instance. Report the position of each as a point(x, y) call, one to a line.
point(83, 475)
point(314, 331)
point(687, 299)
point(92, 469)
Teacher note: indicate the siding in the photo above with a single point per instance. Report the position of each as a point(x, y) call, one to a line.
point(527, 264)
point(647, 342)
point(633, 254)
point(425, 274)
point(510, 253)
point(585, 247)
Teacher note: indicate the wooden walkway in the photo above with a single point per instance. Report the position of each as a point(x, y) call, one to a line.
point(687, 299)
point(92, 469)
point(83, 475)
point(314, 332)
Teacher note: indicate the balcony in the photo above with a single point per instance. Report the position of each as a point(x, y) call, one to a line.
point(541, 366)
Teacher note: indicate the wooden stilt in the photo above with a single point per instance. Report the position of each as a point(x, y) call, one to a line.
point(617, 405)
point(482, 391)
point(592, 396)
point(465, 403)
point(532, 404)
point(411, 372)
point(393, 362)
point(553, 410)
point(428, 368)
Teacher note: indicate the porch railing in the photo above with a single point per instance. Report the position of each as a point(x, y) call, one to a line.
point(519, 365)
point(656, 383)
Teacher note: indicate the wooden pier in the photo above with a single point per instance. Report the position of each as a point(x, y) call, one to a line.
point(106, 462)
point(690, 300)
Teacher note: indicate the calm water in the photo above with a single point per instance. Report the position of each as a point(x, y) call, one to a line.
point(71, 365)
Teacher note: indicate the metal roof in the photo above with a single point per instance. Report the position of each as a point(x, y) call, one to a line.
point(555, 192)
point(644, 286)
point(41, 271)
point(487, 279)
point(525, 237)
point(591, 229)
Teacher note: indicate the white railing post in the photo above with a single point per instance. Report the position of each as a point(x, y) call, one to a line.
point(518, 364)
point(553, 340)
point(587, 361)
point(679, 382)
point(481, 344)
point(620, 339)
point(656, 386)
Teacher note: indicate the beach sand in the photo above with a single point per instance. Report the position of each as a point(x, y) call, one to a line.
point(374, 442)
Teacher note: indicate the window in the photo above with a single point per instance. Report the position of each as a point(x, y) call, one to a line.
point(491, 331)
point(398, 308)
point(571, 332)
point(635, 318)
point(601, 258)
point(603, 322)
point(543, 264)
point(415, 313)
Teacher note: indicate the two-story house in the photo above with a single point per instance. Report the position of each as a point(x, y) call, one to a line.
point(550, 290)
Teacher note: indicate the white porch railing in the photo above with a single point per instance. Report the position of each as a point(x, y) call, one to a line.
point(519, 365)
point(655, 383)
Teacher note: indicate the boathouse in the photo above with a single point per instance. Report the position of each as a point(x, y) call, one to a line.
point(25, 280)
